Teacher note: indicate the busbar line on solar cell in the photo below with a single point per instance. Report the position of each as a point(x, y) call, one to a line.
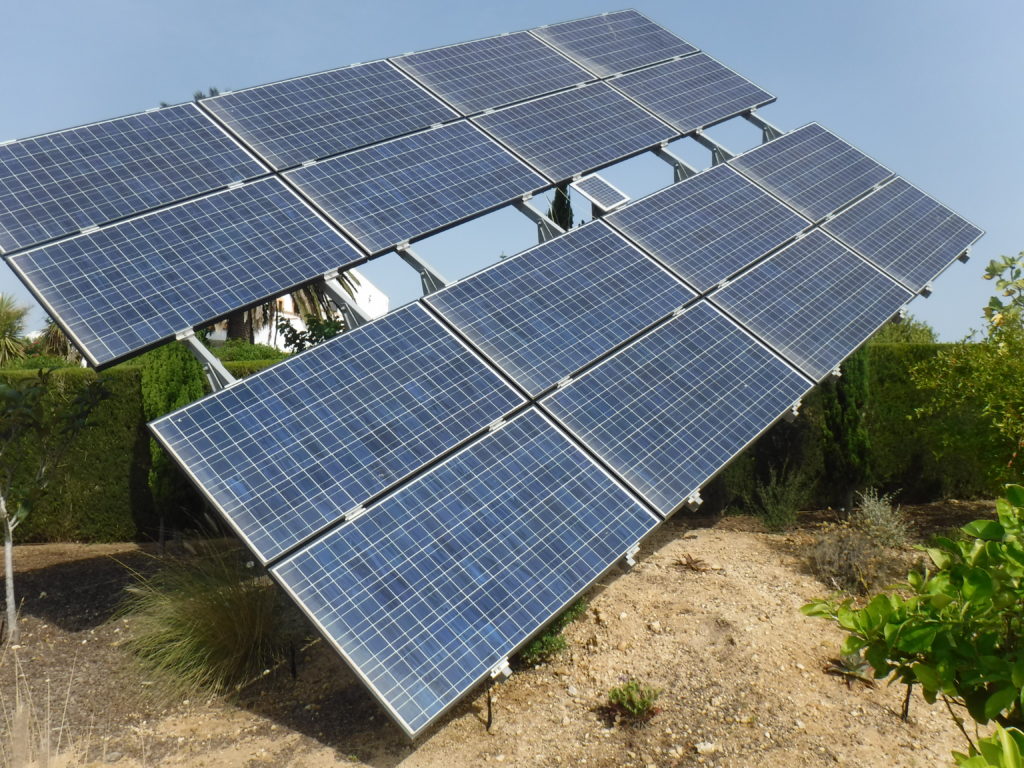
point(693, 92)
point(62, 183)
point(493, 72)
point(812, 170)
point(549, 311)
point(578, 130)
point(288, 451)
point(442, 580)
point(312, 117)
point(669, 410)
point(409, 187)
point(129, 285)
point(600, 192)
point(614, 42)
point(814, 301)
point(908, 234)
point(709, 226)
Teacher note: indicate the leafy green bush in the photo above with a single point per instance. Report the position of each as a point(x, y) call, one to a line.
point(212, 621)
point(877, 518)
point(634, 701)
point(550, 642)
point(777, 500)
point(242, 368)
point(37, 362)
point(958, 633)
point(1003, 749)
point(240, 349)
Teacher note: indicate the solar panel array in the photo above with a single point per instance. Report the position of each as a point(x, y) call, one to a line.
point(433, 486)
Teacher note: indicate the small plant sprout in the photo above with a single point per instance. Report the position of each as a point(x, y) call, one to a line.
point(549, 643)
point(691, 563)
point(852, 668)
point(634, 701)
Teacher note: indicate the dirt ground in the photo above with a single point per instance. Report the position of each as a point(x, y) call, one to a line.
point(740, 668)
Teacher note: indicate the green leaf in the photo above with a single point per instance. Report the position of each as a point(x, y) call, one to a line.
point(1011, 749)
point(927, 676)
point(817, 608)
point(940, 558)
point(1015, 495)
point(1017, 675)
point(851, 645)
point(977, 585)
point(917, 639)
point(1003, 698)
point(989, 530)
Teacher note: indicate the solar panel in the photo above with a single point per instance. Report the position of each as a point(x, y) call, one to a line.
point(484, 74)
point(814, 301)
point(291, 449)
point(600, 192)
point(812, 169)
point(693, 92)
point(576, 130)
point(440, 582)
point(708, 226)
point(124, 287)
point(549, 311)
point(64, 182)
point(399, 190)
point(669, 410)
point(614, 42)
point(311, 117)
point(908, 234)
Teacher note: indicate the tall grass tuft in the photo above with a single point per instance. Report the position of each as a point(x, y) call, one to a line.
point(211, 621)
point(878, 519)
point(778, 500)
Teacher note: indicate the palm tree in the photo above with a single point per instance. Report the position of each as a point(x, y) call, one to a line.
point(12, 329)
point(56, 343)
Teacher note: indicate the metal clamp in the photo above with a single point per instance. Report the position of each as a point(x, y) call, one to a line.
point(693, 501)
point(503, 671)
point(630, 556)
point(793, 411)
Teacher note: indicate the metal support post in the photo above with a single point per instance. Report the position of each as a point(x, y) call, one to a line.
point(546, 228)
point(680, 168)
point(768, 131)
point(431, 280)
point(719, 154)
point(353, 314)
point(214, 369)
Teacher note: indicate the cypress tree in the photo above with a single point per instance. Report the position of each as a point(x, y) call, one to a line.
point(845, 448)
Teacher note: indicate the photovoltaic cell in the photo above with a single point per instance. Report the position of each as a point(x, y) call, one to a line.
point(490, 73)
point(812, 169)
point(549, 311)
point(692, 92)
point(61, 183)
point(669, 410)
point(576, 130)
point(614, 42)
point(709, 226)
point(440, 582)
point(311, 117)
point(132, 284)
point(902, 230)
point(600, 192)
point(401, 189)
point(291, 449)
point(814, 301)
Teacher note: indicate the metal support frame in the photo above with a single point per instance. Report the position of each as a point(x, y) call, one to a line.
point(431, 280)
point(680, 168)
point(694, 500)
point(214, 369)
point(719, 154)
point(353, 314)
point(793, 411)
point(630, 557)
point(768, 131)
point(546, 228)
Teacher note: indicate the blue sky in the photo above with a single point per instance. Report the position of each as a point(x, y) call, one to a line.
point(930, 89)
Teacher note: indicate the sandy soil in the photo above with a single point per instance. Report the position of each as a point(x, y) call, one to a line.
point(741, 671)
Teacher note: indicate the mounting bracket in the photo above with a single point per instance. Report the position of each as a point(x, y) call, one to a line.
point(693, 501)
point(430, 279)
point(768, 131)
point(965, 256)
point(900, 316)
point(502, 670)
point(794, 411)
point(926, 291)
point(630, 557)
point(353, 314)
point(216, 374)
point(719, 154)
point(680, 168)
point(546, 228)
point(835, 374)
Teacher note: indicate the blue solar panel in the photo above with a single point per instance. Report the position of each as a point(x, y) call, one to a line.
point(600, 192)
point(289, 450)
point(551, 310)
point(312, 117)
point(399, 190)
point(614, 42)
point(709, 226)
point(902, 230)
point(814, 301)
point(132, 284)
point(668, 411)
point(574, 131)
point(490, 73)
point(437, 584)
point(693, 92)
point(61, 183)
point(812, 169)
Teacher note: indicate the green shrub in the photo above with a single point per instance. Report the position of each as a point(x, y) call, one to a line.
point(879, 520)
point(37, 362)
point(1003, 749)
point(634, 701)
point(211, 621)
point(550, 642)
point(239, 349)
point(242, 368)
point(778, 499)
point(848, 559)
